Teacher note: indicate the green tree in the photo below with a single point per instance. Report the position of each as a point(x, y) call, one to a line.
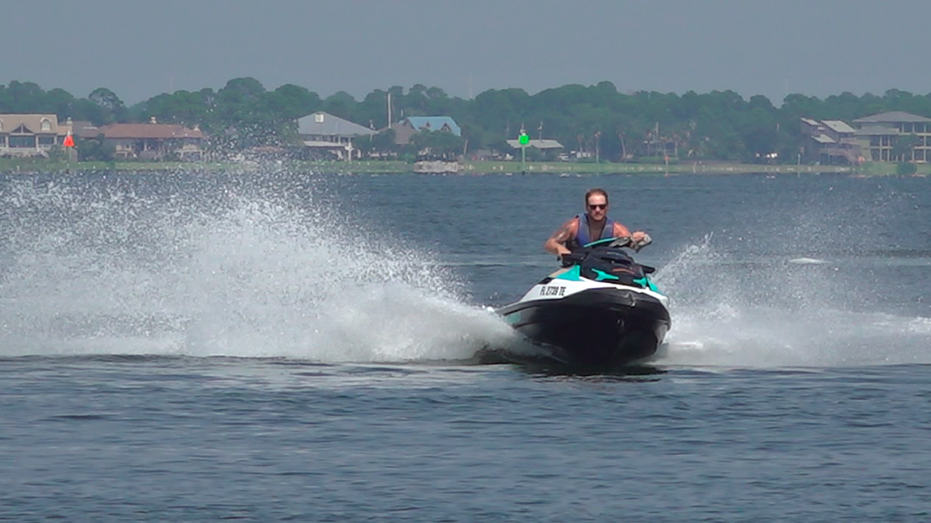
point(758, 131)
point(340, 104)
point(903, 147)
point(24, 97)
point(245, 117)
point(372, 111)
point(437, 145)
point(111, 107)
point(183, 107)
point(290, 102)
point(60, 102)
point(94, 149)
point(381, 144)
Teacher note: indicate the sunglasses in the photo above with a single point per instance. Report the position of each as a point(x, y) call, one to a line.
point(598, 206)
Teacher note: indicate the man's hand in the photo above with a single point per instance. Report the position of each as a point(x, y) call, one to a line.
point(640, 240)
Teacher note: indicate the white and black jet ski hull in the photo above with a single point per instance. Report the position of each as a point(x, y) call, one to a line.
point(605, 325)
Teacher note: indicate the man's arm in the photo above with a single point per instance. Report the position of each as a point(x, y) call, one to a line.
point(556, 243)
point(620, 231)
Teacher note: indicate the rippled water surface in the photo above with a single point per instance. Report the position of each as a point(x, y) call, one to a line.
point(299, 346)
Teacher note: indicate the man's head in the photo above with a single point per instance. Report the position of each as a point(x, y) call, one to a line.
point(596, 204)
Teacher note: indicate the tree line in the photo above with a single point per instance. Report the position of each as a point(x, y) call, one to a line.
point(596, 120)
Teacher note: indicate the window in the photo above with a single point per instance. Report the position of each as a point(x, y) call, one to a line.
point(46, 125)
point(874, 141)
point(318, 118)
point(906, 127)
point(46, 141)
point(23, 142)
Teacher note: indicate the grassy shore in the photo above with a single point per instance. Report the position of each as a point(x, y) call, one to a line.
point(42, 165)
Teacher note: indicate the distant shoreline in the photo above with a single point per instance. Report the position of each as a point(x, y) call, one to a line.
point(32, 166)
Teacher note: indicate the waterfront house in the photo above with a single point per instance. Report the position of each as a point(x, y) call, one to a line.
point(432, 123)
point(549, 148)
point(150, 141)
point(30, 134)
point(323, 133)
point(880, 132)
point(830, 142)
point(543, 145)
point(408, 127)
point(84, 129)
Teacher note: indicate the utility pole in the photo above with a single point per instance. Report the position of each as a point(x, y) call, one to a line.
point(597, 146)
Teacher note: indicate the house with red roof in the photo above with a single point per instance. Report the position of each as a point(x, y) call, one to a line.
point(150, 141)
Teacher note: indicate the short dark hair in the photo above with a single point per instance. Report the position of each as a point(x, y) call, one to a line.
point(596, 191)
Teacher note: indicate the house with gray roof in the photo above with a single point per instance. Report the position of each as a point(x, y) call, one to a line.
point(433, 123)
point(405, 131)
point(893, 119)
point(830, 142)
point(408, 127)
point(879, 133)
point(542, 144)
point(322, 132)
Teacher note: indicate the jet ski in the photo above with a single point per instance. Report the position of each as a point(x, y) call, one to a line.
point(600, 308)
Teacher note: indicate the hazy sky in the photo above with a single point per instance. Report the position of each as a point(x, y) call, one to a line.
point(771, 47)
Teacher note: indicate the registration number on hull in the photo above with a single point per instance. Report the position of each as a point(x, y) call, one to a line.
point(553, 290)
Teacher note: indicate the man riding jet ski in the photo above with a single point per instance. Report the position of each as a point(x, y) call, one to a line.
point(601, 308)
point(585, 228)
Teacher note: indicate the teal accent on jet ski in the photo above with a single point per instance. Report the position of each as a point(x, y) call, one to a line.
point(602, 276)
point(646, 282)
point(573, 274)
point(596, 243)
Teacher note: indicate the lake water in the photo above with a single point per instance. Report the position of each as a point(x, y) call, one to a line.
point(299, 346)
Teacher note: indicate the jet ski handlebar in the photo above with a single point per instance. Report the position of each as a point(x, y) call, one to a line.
point(607, 243)
point(620, 241)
